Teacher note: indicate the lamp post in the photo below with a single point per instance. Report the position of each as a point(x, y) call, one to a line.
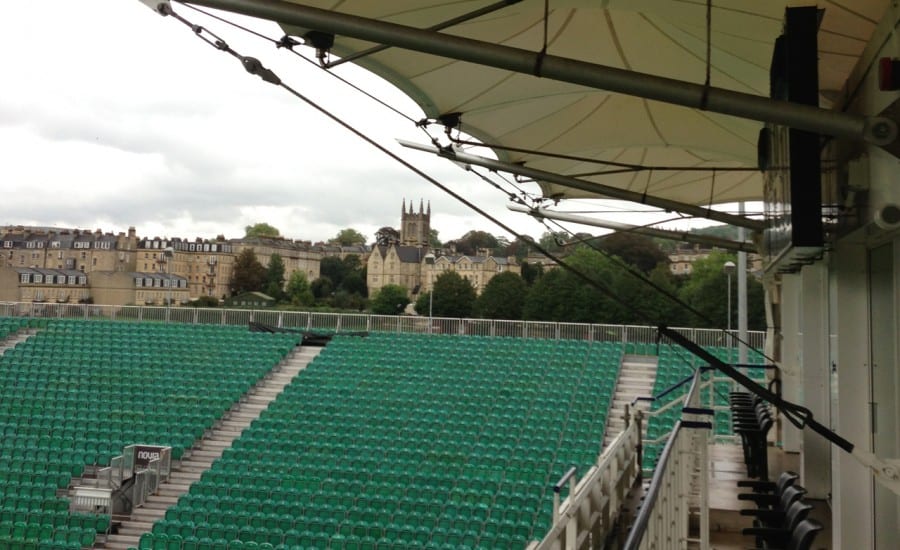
point(168, 254)
point(429, 260)
point(729, 268)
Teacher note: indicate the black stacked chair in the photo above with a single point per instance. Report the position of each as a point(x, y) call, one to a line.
point(802, 537)
point(752, 421)
point(781, 515)
point(778, 486)
point(778, 535)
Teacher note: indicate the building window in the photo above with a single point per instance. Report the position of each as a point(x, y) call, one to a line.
point(38, 278)
point(23, 278)
point(94, 262)
point(82, 280)
point(60, 279)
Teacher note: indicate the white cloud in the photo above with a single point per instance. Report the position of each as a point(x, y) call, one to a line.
point(112, 116)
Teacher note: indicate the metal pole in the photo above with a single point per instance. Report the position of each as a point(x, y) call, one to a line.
point(729, 301)
point(742, 295)
point(589, 186)
point(877, 130)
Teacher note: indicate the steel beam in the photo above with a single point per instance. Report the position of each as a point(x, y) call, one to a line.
point(878, 130)
point(589, 186)
point(684, 236)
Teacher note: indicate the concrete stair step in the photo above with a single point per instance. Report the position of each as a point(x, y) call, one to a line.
point(206, 451)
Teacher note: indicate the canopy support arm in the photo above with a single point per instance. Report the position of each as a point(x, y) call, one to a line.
point(589, 186)
point(705, 240)
point(878, 130)
point(439, 27)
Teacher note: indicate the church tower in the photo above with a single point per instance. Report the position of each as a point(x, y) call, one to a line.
point(415, 229)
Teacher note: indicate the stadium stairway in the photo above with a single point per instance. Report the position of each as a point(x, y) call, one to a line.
point(15, 338)
point(636, 378)
point(201, 457)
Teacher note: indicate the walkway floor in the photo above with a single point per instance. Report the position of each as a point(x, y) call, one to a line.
point(726, 469)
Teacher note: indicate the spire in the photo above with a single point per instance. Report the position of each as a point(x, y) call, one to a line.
point(403, 209)
point(429, 209)
point(421, 207)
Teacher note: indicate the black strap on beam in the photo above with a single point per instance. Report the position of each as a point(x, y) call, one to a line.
point(798, 415)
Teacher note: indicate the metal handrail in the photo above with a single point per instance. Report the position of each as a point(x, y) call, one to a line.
point(646, 512)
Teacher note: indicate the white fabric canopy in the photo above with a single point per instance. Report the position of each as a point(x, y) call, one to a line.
point(659, 37)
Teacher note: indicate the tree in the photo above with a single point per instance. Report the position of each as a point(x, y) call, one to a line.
point(502, 297)
point(433, 240)
point(390, 300)
point(205, 301)
point(470, 243)
point(387, 236)
point(355, 283)
point(454, 296)
point(560, 295)
point(706, 290)
point(275, 277)
point(248, 274)
point(552, 241)
point(422, 303)
point(531, 272)
point(298, 289)
point(334, 268)
point(346, 300)
point(322, 288)
point(261, 229)
point(637, 250)
point(348, 237)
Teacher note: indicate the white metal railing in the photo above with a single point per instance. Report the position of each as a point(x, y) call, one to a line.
point(587, 516)
point(149, 465)
point(353, 322)
point(679, 485)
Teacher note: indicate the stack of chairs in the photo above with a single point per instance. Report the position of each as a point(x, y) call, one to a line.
point(752, 421)
point(781, 514)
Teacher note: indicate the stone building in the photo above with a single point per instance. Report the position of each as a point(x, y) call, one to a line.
point(67, 249)
point(205, 264)
point(41, 285)
point(413, 265)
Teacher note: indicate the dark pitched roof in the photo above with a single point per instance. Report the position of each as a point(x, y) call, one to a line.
point(410, 254)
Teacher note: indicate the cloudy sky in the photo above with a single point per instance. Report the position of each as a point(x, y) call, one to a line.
point(112, 116)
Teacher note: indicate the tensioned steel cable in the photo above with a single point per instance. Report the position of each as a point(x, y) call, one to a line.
point(255, 67)
point(287, 43)
point(649, 282)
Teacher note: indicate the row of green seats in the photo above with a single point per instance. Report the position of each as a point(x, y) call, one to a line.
point(445, 426)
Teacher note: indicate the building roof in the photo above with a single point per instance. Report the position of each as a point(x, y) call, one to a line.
point(407, 254)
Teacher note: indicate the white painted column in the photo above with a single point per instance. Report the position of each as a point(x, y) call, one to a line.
point(852, 495)
point(815, 463)
point(791, 355)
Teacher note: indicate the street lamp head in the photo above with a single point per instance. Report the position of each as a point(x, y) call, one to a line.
point(729, 267)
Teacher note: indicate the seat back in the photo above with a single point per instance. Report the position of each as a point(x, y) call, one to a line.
point(804, 534)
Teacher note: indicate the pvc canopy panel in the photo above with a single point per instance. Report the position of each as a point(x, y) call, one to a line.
point(658, 37)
